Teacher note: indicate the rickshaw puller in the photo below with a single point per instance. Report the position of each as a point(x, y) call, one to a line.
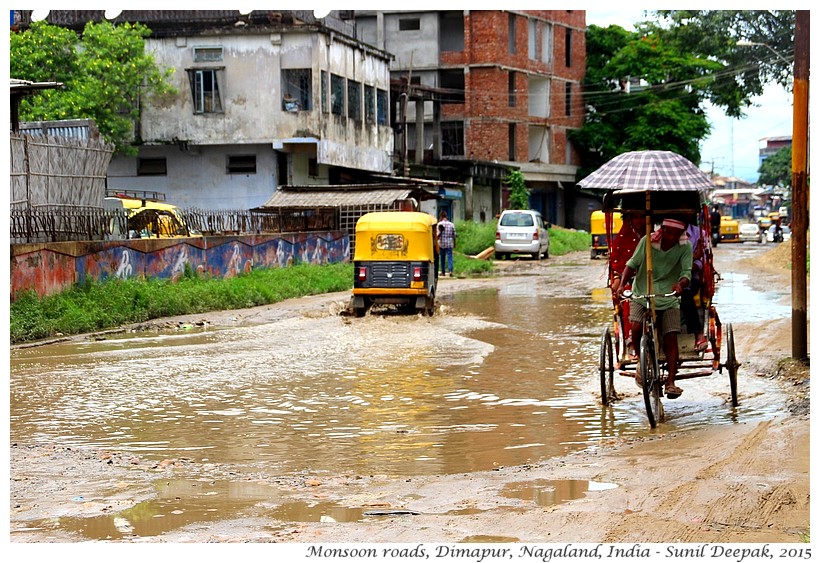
point(671, 272)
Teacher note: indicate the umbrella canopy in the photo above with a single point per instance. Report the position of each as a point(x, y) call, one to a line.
point(648, 171)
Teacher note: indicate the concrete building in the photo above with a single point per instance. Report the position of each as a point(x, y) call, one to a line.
point(478, 92)
point(772, 145)
point(263, 99)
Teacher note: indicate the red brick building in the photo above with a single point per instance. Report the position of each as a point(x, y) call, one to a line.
point(500, 89)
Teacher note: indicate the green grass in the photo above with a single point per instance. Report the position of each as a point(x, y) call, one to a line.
point(474, 237)
point(563, 241)
point(103, 305)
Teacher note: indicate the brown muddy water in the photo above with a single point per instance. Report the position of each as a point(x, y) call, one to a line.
point(497, 378)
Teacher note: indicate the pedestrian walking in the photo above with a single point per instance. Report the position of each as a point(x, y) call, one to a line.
point(446, 242)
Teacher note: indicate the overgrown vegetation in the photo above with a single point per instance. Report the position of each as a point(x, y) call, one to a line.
point(519, 192)
point(474, 237)
point(100, 305)
point(105, 72)
point(564, 241)
point(103, 305)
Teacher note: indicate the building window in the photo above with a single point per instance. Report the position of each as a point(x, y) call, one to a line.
point(241, 164)
point(546, 42)
point(409, 24)
point(207, 54)
point(451, 26)
point(325, 106)
point(568, 48)
point(205, 90)
point(452, 138)
point(532, 39)
point(511, 134)
point(452, 80)
point(354, 100)
point(313, 168)
point(337, 94)
point(369, 104)
point(381, 107)
point(152, 167)
point(511, 89)
point(511, 33)
point(297, 89)
point(538, 96)
point(568, 98)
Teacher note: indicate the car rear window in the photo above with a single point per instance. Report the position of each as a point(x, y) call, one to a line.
point(517, 220)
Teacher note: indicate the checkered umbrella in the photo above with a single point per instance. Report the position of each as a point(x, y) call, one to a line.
point(648, 171)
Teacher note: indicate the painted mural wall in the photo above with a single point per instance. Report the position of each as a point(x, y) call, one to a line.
point(49, 268)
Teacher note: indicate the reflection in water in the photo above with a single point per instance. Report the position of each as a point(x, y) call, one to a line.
point(544, 492)
point(500, 378)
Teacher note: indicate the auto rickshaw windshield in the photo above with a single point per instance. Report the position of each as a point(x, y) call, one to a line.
point(395, 235)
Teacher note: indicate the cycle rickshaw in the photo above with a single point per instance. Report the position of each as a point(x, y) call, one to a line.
point(661, 184)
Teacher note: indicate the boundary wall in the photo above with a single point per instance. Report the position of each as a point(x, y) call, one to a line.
point(48, 268)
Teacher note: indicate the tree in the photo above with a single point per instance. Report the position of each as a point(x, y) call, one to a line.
point(776, 170)
point(641, 93)
point(679, 62)
point(105, 73)
point(519, 192)
point(746, 69)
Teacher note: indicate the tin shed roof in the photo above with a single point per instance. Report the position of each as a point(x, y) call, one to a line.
point(341, 196)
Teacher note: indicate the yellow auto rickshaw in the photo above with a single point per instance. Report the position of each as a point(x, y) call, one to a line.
point(148, 218)
point(597, 228)
point(729, 229)
point(394, 262)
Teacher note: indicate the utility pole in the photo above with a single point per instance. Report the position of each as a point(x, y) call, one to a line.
point(800, 200)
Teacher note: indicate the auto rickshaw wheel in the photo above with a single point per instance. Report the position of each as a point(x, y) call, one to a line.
point(607, 369)
point(731, 362)
point(362, 311)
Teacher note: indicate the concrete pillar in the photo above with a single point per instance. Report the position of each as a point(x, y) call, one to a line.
point(420, 131)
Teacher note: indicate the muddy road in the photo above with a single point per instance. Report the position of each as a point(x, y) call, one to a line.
point(294, 423)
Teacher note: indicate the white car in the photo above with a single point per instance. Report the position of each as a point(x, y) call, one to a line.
point(750, 232)
point(522, 231)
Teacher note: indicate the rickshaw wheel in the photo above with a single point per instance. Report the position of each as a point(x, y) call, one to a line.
point(607, 369)
point(651, 382)
point(731, 362)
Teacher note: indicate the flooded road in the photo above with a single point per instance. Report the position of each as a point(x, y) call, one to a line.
point(501, 376)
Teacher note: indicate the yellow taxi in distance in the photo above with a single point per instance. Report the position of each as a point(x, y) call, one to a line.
point(729, 229)
point(148, 218)
point(597, 229)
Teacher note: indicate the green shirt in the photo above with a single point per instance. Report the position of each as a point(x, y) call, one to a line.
point(668, 267)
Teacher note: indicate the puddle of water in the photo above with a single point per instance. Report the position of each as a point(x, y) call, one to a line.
point(545, 492)
point(500, 378)
point(736, 302)
point(507, 378)
point(178, 503)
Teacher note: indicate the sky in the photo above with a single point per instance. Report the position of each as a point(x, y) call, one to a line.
point(732, 148)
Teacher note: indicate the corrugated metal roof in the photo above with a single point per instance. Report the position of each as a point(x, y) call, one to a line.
point(335, 198)
point(73, 128)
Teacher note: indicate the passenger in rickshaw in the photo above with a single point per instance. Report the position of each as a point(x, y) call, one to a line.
point(623, 246)
point(688, 308)
point(671, 272)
